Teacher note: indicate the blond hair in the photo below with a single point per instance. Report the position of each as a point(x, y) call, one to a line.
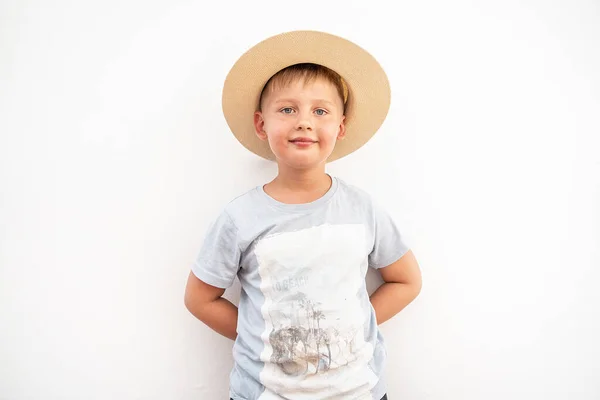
point(306, 72)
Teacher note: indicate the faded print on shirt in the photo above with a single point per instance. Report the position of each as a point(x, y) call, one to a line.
point(314, 334)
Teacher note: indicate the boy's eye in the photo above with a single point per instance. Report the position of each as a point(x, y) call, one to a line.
point(320, 111)
point(287, 110)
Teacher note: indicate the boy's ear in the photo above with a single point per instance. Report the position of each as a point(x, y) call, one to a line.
point(259, 125)
point(342, 132)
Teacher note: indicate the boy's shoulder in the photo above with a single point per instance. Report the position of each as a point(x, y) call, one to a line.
point(353, 189)
point(242, 202)
point(355, 193)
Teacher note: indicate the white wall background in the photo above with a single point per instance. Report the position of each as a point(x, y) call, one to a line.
point(115, 157)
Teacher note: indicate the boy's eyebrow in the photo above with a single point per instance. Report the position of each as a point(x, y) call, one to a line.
point(293, 101)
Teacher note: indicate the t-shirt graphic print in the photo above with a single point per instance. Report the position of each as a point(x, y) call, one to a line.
point(314, 320)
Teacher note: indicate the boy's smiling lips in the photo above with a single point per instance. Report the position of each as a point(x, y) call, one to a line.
point(304, 140)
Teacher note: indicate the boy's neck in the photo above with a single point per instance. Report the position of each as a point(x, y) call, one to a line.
point(299, 186)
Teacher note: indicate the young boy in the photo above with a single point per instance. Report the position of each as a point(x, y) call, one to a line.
point(301, 244)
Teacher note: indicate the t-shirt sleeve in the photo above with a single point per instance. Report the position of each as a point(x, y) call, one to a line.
point(389, 244)
point(219, 258)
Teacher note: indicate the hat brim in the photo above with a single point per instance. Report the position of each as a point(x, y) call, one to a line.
point(368, 86)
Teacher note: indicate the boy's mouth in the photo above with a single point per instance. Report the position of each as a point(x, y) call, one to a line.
point(303, 140)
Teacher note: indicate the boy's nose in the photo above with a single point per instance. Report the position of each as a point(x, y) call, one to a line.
point(304, 126)
point(304, 123)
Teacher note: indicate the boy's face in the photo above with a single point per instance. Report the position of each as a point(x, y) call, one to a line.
point(301, 122)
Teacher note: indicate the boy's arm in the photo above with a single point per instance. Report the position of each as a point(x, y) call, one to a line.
point(402, 285)
point(204, 301)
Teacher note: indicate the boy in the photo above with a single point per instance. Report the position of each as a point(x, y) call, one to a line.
point(301, 244)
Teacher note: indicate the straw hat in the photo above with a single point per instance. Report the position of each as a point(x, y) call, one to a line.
point(368, 87)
